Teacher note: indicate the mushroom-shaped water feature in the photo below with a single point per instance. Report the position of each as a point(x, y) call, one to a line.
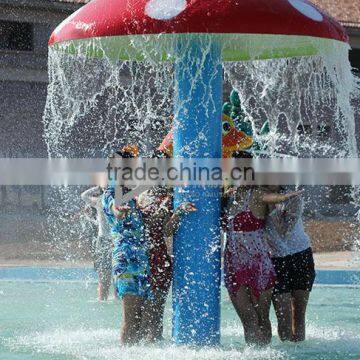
point(198, 35)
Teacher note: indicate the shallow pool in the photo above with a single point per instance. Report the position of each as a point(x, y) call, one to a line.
point(55, 316)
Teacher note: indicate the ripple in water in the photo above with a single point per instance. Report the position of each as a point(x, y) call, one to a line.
point(102, 344)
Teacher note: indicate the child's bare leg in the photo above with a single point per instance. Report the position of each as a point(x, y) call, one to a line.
point(152, 317)
point(100, 290)
point(245, 309)
point(132, 307)
point(299, 303)
point(263, 310)
point(104, 285)
point(283, 310)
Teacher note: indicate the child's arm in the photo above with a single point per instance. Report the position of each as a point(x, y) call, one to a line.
point(230, 191)
point(173, 224)
point(156, 209)
point(91, 196)
point(275, 198)
point(109, 207)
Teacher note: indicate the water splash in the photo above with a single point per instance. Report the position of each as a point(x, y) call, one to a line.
point(102, 344)
point(307, 102)
point(95, 105)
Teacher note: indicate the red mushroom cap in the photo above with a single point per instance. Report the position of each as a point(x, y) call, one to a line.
point(101, 18)
point(109, 18)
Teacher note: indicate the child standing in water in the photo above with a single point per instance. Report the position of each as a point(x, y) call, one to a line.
point(131, 271)
point(103, 243)
point(141, 265)
point(161, 222)
point(294, 265)
point(249, 272)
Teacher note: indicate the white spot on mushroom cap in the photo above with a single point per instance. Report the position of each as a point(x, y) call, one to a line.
point(165, 9)
point(84, 26)
point(307, 10)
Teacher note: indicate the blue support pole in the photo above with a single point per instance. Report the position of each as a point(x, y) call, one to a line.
point(197, 134)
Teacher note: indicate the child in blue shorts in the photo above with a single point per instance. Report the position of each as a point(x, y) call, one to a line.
point(131, 270)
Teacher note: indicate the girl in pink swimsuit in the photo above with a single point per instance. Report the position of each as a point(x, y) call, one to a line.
point(247, 258)
point(249, 272)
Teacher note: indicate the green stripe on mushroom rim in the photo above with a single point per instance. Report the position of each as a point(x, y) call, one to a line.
point(236, 47)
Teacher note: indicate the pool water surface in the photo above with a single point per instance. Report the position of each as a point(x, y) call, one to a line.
point(53, 314)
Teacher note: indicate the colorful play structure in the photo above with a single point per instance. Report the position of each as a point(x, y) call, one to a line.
point(198, 36)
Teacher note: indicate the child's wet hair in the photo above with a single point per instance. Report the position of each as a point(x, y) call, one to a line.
point(160, 154)
point(242, 154)
point(124, 154)
point(128, 151)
